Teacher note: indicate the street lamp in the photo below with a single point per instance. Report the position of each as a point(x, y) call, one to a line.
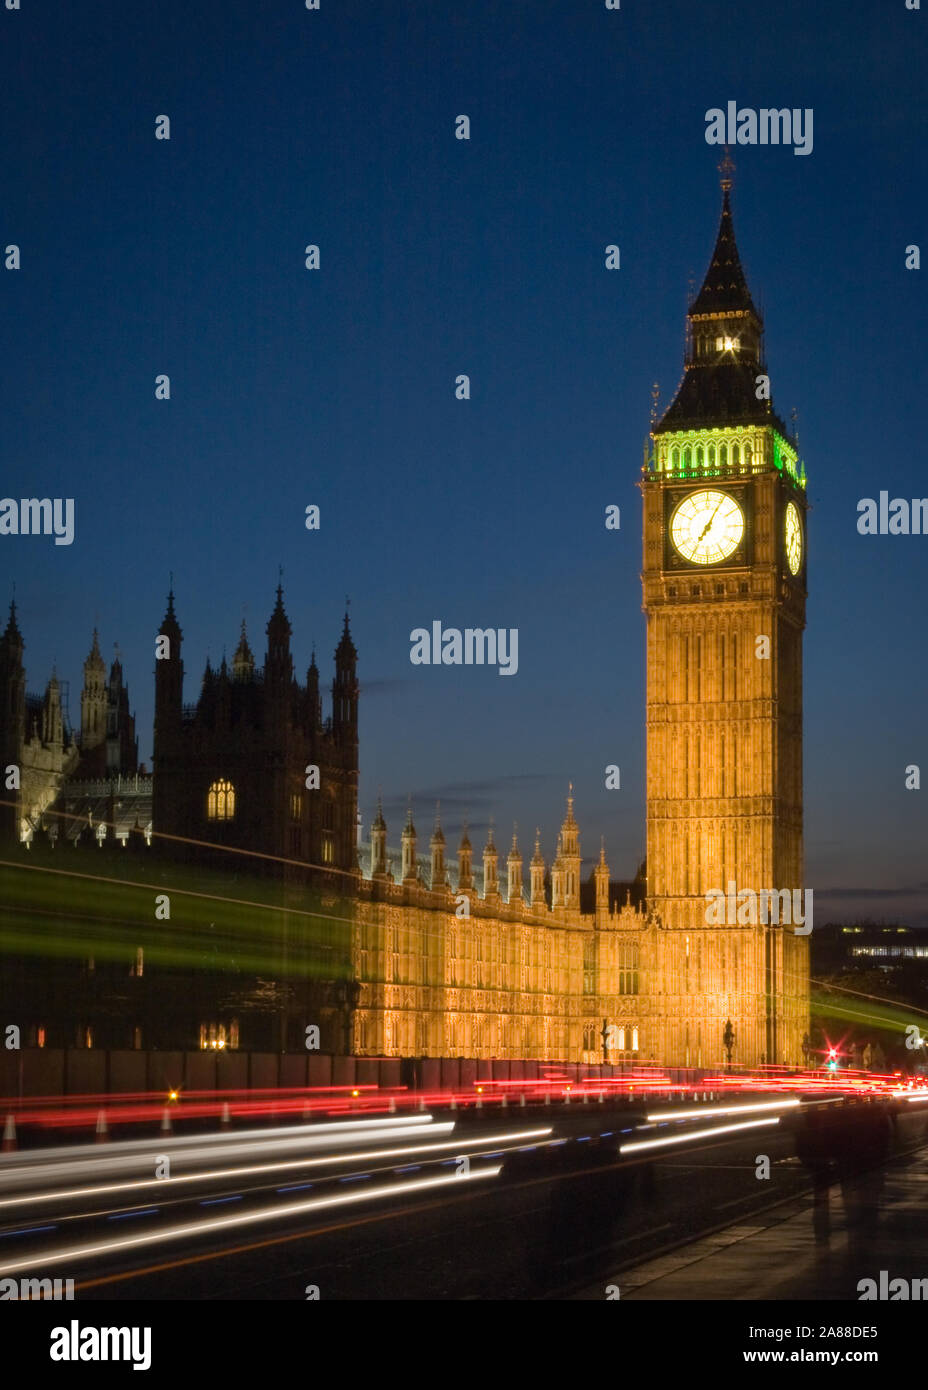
point(728, 1041)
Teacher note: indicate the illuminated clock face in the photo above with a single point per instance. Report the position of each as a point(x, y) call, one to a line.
point(793, 537)
point(707, 527)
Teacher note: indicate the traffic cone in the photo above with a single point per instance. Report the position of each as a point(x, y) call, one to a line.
point(103, 1133)
point(9, 1134)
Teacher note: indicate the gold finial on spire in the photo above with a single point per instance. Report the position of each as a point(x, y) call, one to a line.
point(726, 169)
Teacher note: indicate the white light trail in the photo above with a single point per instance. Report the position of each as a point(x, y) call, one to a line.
point(702, 1112)
point(76, 1253)
point(489, 1141)
point(635, 1145)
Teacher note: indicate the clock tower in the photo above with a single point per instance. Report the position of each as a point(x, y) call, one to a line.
point(724, 590)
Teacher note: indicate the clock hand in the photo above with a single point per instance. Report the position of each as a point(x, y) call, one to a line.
point(708, 525)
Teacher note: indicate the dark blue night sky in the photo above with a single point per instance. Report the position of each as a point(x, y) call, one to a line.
point(440, 257)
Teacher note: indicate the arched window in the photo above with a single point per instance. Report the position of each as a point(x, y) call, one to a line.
point(735, 455)
point(699, 456)
point(686, 457)
point(711, 455)
point(748, 452)
point(220, 802)
point(675, 456)
point(723, 456)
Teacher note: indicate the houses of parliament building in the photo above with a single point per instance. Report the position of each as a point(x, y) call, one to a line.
point(513, 959)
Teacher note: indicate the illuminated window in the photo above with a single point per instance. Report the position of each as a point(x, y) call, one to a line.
point(296, 805)
point(216, 1037)
point(40, 1037)
point(220, 803)
point(634, 1040)
point(328, 850)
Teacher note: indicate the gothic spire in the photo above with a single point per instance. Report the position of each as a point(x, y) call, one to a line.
point(12, 634)
point(345, 652)
point(724, 353)
point(725, 289)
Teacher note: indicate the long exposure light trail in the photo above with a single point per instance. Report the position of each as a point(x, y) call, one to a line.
point(77, 1253)
point(128, 1155)
point(636, 1145)
point(219, 1174)
point(704, 1111)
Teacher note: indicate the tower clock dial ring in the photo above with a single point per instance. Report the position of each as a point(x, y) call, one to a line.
point(707, 527)
point(792, 535)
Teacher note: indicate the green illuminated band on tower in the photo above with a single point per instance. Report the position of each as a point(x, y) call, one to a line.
point(724, 452)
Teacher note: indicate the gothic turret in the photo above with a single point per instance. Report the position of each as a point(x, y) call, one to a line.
point(52, 725)
point(313, 702)
point(601, 879)
point(93, 699)
point(558, 877)
point(538, 873)
point(379, 844)
point(12, 715)
point(345, 690)
point(490, 866)
point(570, 855)
point(243, 661)
point(278, 663)
point(169, 782)
point(465, 863)
point(122, 749)
point(223, 696)
point(410, 868)
point(207, 701)
point(437, 849)
point(514, 871)
point(169, 673)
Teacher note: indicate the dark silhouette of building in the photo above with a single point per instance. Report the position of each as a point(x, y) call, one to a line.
point(252, 765)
